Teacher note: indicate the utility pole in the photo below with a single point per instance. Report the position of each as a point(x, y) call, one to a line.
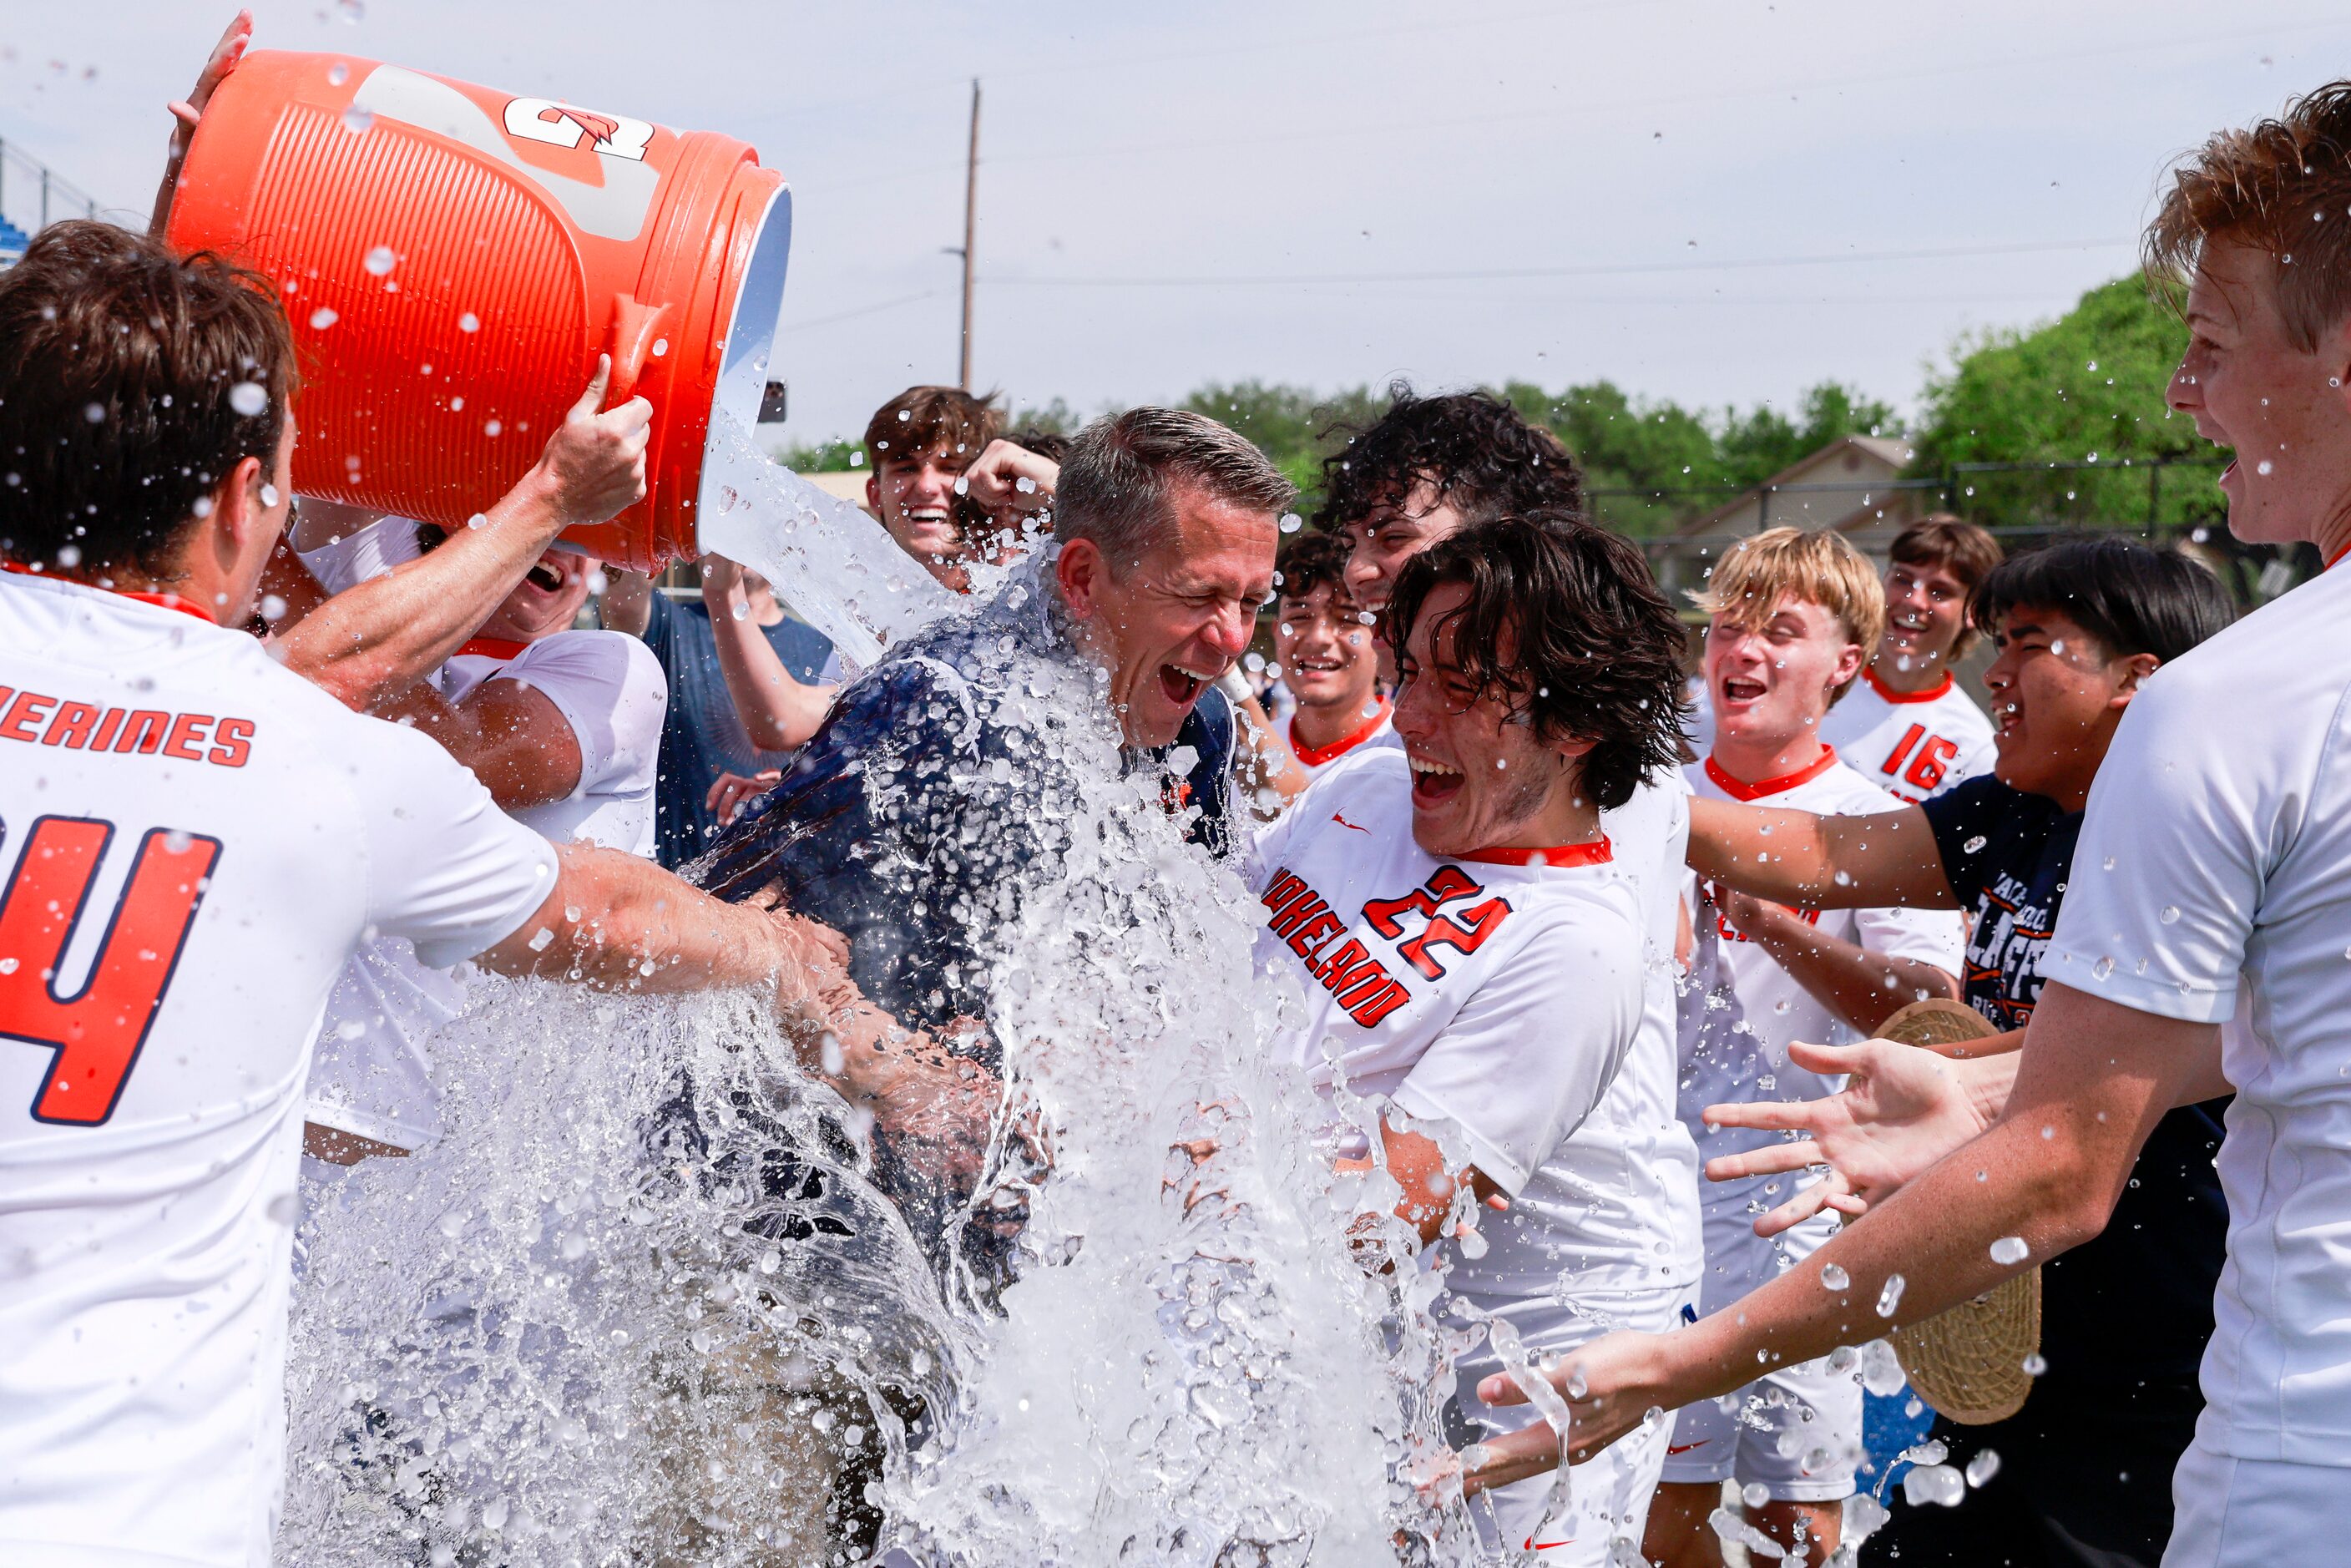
point(970, 220)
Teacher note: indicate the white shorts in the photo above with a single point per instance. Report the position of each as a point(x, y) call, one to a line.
point(1795, 1431)
point(2229, 1512)
point(1608, 1494)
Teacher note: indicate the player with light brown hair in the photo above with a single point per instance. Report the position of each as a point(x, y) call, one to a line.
point(1906, 725)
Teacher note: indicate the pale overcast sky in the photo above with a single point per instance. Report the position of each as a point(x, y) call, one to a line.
point(1709, 200)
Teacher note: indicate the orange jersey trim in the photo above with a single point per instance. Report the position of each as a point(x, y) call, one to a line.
point(1316, 756)
point(498, 648)
point(167, 601)
point(1890, 695)
point(1739, 789)
point(1599, 851)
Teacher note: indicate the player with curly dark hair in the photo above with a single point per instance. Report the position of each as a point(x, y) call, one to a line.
point(1430, 465)
point(1474, 947)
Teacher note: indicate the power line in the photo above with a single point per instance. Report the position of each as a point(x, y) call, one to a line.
point(1610, 270)
point(873, 310)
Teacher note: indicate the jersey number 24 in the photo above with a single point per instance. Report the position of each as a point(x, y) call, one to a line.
point(97, 1032)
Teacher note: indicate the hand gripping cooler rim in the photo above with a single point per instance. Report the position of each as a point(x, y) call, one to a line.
point(688, 304)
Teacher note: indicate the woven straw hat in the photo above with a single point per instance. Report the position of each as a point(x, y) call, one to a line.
point(1967, 1363)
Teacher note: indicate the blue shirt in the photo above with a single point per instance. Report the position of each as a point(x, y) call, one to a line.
point(704, 737)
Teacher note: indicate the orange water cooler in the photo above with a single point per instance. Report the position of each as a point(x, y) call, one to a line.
point(454, 258)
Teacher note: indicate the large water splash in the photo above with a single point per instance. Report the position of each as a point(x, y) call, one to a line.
point(834, 565)
point(593, 1325)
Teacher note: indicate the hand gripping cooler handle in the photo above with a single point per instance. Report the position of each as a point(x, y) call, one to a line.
point(633, 339)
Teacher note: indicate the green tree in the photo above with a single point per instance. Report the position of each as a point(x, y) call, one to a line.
point(1295, 426)
point(2088, 387)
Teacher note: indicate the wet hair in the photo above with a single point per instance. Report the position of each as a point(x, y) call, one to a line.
point(930, 419)
point(2284, 188)
point(120, 407)
point(1118, 485)
point(1312, 561)
point(1565, 623)
point(1958, 546)
point(1817, 566)
point(2131, 596)
point(1476, 450)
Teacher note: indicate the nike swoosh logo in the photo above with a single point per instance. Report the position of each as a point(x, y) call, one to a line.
point(1534, 1545)
point(1345, 823)
point(1685, 1448)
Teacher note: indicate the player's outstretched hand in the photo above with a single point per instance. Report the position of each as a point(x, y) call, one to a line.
point(187, 112)
point(595, 461)
point(1010, 481)
point(733, 791)
point(1610, 1386)
point(1902, 1109)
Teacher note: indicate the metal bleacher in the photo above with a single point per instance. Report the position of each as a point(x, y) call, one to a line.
point(32, 196)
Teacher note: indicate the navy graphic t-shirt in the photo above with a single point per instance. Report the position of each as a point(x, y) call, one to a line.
point(2125, 1318)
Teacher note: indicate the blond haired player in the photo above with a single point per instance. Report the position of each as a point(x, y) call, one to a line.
point(1793, 618)
point(1906, 725)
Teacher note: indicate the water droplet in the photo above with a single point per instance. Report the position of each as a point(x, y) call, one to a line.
point(323, 317)
point(469, 323)
point(1835, 1277)
point(1890, 1297)
point(2102, 968)
point(492, 427)
point(1975, 845)
point(1983, 1467)
point(2035, 1364)
point(2170, 915)
point(338, 74)
point(250, 399)
point(2010, 1250)
point(661, 346)
point(381, 260)
point(1292, 522)
point(2264, 468)
point(357, 119)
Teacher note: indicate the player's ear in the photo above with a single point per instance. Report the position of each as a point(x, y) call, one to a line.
point(1079, 569)
point(2135, 669)
point(873, 494)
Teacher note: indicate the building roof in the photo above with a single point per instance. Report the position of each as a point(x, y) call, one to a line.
point(1868, 459)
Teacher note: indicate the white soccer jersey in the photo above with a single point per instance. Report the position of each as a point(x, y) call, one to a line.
point(2217, 850)
point(1380, 721)
point(373, 1070)
point(195, 843)
point(1742, 1008)
point(1500, 991)
point(613, 692)
point(1911, 745)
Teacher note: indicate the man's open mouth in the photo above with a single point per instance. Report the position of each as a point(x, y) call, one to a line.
point(544, 577)
point(1180, 685)
point(1738, 689)
point(1434, 782)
